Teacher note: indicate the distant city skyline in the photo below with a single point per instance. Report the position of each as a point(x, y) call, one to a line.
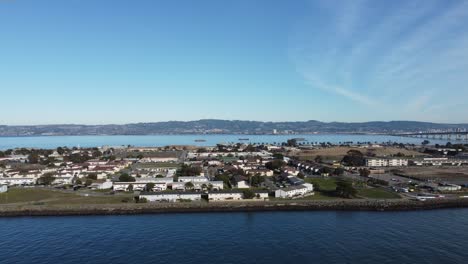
point(122, 61)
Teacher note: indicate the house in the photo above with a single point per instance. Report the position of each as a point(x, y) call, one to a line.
point(3, 188)
point(193, 179)
point(295, 181)
point(261, 195)
point(17, 181)
point(377, 162)
point(170, 196)
point(440, 162)
point(125, 186)
point(67, 179)
point(294, 191)
point(213, 185)
point(102, 186)
point(227, 195)
point(240, 183)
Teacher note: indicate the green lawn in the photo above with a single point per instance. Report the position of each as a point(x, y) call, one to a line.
point(319, 196)
point(21, 195)
point(377, 193)
point(324, 184)
point(46, 196)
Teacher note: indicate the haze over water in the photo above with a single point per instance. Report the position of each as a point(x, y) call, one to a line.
point(51, 142)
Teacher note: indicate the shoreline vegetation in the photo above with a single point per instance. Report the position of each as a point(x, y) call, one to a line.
point(242, 206)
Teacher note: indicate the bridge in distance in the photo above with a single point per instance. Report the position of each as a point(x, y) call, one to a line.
point(448, 135)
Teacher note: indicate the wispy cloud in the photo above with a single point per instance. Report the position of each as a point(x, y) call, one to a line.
point(384, 53)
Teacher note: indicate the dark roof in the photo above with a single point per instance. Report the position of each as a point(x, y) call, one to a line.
point(226, 191)
point(169, 192)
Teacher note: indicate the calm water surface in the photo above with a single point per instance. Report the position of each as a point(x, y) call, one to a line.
point(278, 237)
point(210, 140)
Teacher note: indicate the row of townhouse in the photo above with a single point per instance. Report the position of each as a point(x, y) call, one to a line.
point(263, 154)
point(174, 196)
point(214, 185)
point(160, 184)
point(295, 191)
point(383, 162)
point(440, 162)
point(17, 181)
point(158, 159)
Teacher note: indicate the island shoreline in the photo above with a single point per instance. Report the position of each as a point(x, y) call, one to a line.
point(224, 207)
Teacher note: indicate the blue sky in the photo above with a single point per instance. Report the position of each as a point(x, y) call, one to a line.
point(122, 61)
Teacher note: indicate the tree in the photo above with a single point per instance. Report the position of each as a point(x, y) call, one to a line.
point(364, 172)
point(354, 158)
point(130, 188)
point(318, 159)
point(278, 156)
point(79, 182)
point(149, 186)
point(92, 176)
point(248, 194)
point(33, 158)
point(124, 177)
point(345, 189)
point(60, 150)
point(425, 142)
point(338, 172)
point(46, 179)
point(189, 186)
point(186, 170)
point(291, 142)
point(88, 182)
point(275, 164)
point(2, 154)
point(301, 175)
point(256, 180)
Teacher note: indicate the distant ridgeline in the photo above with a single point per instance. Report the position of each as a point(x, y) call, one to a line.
point(210, 126)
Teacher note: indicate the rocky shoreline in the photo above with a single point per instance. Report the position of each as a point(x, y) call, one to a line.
point(216, 207)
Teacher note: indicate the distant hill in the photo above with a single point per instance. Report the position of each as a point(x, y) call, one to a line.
point(211, 126)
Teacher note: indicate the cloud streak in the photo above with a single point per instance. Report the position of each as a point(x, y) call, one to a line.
point(384, 54)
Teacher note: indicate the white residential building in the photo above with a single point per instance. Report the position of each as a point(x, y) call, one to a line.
point(193, 179)
point(227, 195)
point(63, 180)
point(261, 195)
point(214, 185)
point(102, 186)
point(170, 196)
point(17, 181)
point(294, 191)
point(386, 162)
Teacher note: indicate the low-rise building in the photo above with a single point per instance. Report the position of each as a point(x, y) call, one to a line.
point(102, 185)
point(17, 181)
point(170, 196)
point(3, 188)
point(382, 162)
point(440, 162)
point(261, 195)
point(193, 179)
point(225, 195)
point(294, 191)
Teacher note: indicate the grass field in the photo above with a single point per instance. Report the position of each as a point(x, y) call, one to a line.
point(46, 196)
point(337, 153)
point(377, 193)
point(323, 184)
